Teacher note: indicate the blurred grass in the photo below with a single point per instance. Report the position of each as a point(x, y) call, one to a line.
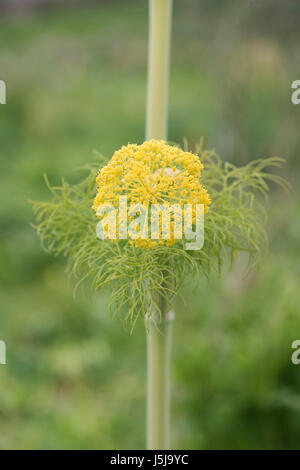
point(76, 81)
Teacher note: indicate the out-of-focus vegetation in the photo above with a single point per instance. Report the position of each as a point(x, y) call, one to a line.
point(76, 81)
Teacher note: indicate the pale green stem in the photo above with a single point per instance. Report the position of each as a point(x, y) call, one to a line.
point(159, 327)
point(158, 68)
point(159, 339)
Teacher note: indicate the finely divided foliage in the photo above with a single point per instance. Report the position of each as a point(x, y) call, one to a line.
point(138, 276)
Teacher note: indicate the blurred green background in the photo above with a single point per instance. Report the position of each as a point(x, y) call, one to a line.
point(76, 81)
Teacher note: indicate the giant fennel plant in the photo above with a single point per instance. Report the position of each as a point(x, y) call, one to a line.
point(145, 274)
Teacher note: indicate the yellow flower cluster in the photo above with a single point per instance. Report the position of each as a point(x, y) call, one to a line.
point(152, 173)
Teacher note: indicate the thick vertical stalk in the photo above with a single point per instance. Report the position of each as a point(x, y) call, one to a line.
point(158, 68)
point(159, 328)
point(159, 338)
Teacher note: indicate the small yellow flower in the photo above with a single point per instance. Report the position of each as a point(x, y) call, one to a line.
point(153, 172)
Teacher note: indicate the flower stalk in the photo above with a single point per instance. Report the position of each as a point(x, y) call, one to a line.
point(159, 341)
point(159, 325)
point(158, 68)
